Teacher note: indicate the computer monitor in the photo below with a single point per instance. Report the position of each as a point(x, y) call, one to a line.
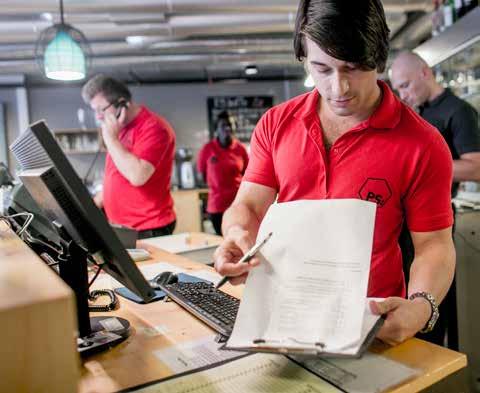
point(58, 191)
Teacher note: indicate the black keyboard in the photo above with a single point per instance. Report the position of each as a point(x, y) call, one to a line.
point(214, 307)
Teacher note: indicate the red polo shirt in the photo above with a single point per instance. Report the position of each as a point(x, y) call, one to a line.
point(393, 158)
point(149, 137)
point(224, 169)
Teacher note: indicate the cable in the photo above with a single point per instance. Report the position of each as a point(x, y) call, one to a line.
point(27, 236)
point(85, 179)
point(27, 222)
point(95, 276)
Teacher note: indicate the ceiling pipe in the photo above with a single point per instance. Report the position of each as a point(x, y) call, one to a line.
point(28, 8)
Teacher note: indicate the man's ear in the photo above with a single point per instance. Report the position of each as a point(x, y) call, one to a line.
point(122, 103)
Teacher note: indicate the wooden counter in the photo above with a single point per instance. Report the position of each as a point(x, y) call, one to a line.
point(38, 352)
point(132, 362)
point(37, 323)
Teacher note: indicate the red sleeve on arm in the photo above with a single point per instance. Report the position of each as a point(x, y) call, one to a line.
point(202, 160)
point(260, 168)
point(154, 143)
point(428, 203)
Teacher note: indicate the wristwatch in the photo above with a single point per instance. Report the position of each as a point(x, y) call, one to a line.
point(433, 304)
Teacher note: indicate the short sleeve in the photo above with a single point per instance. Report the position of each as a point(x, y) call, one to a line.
point(428, 200)
point(260, 168)
point(245, 159)
point(154, 143)
point(466, 134)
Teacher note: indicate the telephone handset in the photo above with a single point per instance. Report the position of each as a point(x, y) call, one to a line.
point(119, 105)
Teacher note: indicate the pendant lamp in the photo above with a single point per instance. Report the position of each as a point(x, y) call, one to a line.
point(62, 52)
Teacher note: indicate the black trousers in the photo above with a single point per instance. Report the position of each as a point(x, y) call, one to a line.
point(216, 219)
point(162, 231)
point(447, 324)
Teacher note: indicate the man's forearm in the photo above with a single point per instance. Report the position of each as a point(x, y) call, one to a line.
point(432, 271)
point(127, 163)
point(240, 216)
point(466, 170)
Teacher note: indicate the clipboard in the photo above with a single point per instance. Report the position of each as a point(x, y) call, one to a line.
point(285, 347)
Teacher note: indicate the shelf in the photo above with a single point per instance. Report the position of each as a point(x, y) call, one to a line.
point(75, 131)
point(454, 39)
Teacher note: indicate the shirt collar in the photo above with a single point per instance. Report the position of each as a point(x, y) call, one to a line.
point(137, 119)
point(231, 147)
point(437, 100)
point(386, 116)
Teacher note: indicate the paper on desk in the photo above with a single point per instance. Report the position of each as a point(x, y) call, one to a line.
point(371, 374)
point(311, 285)
point(175, 243)
point(194, 354)
point(259, 373)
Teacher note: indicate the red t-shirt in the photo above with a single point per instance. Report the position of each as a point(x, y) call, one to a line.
point(393, 158)
point(223, 170)
point(149, 137)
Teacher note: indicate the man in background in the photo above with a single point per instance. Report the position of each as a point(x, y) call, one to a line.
point(140, 151)
point(222, 163)
point(457, 121)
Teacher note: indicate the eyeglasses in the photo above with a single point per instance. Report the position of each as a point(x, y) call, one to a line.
point(102, 110)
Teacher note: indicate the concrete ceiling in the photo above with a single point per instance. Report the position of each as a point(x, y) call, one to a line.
point(180, 40)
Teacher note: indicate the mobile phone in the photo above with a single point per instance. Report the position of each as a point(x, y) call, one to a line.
point(119, 106)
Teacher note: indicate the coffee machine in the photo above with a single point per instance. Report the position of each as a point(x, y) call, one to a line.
point(184, 168)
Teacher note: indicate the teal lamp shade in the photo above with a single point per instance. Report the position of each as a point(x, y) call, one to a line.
point(63, 53)
point(64, 59)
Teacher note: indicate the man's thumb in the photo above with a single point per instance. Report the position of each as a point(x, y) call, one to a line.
point(383, 307)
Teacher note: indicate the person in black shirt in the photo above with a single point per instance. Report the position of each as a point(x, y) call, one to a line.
point(457, 121)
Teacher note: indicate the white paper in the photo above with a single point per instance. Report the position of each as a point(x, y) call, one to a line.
point(175, 243)
point(311, 285)
point(194, 354)
point(371, 374)
point(259, 373)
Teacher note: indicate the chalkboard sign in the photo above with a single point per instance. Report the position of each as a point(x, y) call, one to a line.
point(245, 111)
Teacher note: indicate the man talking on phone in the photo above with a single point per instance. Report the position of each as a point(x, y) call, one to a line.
point(140, 152)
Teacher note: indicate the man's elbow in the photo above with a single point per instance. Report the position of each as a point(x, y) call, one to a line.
point(139, 180)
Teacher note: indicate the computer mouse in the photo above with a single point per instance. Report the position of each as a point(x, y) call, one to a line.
point(165, 278)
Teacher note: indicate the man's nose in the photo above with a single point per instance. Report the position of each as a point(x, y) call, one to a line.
point(340, 85)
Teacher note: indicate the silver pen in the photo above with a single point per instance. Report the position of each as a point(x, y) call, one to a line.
point(247, 256)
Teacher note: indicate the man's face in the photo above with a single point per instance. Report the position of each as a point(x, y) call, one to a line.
point(224, 132)
point(100, 106)
point(344, 87)
point(411, 84)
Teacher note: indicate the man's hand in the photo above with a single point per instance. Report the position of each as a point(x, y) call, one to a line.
point(237, 242)
point(404, 318)
point(98, 199)
point(111, 126)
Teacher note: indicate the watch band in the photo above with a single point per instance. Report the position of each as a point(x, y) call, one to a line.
point(433, 304)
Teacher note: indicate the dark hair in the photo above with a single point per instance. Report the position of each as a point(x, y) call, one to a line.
point(354, 31)
point(111, 88)
point(224, 116)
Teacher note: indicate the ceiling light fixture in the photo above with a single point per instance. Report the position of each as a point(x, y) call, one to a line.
point(62, 52)
point(251, 70)
point(309, 83)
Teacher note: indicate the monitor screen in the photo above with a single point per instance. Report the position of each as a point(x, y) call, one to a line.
point(56, 188)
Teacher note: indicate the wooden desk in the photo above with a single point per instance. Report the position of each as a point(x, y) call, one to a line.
point(132, 362)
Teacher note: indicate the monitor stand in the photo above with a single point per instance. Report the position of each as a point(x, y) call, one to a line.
point(95, 333)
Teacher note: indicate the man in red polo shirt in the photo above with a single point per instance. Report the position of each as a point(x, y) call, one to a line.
point(352, 138)
point(138, 167)
point(222, 163)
